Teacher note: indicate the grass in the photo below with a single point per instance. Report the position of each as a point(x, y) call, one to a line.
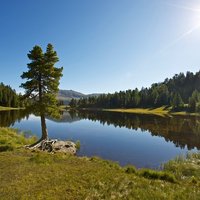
point(185, 168)
point(8, 108)
point(161, 111)
point(39, 175)
point(157, 111)
point(11, 139)
point(160, 175)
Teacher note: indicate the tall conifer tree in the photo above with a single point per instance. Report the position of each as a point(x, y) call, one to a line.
point(42, 81)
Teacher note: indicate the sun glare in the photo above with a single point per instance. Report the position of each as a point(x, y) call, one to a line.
point(194, 26)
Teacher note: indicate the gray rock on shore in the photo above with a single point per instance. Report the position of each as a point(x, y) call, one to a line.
point(55, 146)
point(64, 146)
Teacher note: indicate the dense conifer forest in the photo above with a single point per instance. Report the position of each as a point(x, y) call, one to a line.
point(182, 91)
point(9, 97)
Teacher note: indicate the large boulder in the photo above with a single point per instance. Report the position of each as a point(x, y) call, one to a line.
point(64, 146)
point(55, 146)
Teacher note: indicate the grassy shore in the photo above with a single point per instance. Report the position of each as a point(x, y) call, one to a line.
point(152, 111)
point(39, 175)
point(161, 111)
point(8, 108)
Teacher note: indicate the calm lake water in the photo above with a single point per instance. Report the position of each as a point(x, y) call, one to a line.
point(141, 140)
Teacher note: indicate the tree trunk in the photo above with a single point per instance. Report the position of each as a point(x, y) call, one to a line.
point(44, 136)
point(44, 128)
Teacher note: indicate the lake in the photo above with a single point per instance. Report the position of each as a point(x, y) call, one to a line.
point(141, 140)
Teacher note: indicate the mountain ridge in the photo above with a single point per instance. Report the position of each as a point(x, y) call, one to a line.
point(67, 95)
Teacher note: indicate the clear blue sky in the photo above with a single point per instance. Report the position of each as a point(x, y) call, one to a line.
point(103, 45)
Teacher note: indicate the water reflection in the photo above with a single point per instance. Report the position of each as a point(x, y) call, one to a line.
point(67, 117)
point(8, 118)
point(182, 131)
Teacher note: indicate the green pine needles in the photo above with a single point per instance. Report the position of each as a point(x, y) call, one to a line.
point(42, 81)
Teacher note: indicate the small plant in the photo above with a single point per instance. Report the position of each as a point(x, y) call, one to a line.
point(130, 169)
point(95, 158)
point(78, 145)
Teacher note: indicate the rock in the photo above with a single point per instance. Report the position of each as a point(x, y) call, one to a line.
point(64, 146)
point(55, 146)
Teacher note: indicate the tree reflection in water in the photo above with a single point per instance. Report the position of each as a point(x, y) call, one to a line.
point(8, 118)
point(183, 131)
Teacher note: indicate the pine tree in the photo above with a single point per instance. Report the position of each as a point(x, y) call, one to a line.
point(194, 100)
point(177, 101)
point(73, 103)
point(42, 83)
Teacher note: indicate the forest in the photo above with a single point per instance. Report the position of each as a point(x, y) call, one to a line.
point(9, 97)
point(182, 92)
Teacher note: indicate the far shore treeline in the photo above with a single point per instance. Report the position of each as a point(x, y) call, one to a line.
point(182, 92)
point(9, 97)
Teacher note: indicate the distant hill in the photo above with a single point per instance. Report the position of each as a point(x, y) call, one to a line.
point(67, 95)
point(70, 94)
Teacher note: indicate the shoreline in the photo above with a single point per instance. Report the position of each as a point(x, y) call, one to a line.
point(161, 111)
point(22, 174)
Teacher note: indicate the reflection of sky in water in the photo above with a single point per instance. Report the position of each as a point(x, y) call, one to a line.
point(123, 145)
